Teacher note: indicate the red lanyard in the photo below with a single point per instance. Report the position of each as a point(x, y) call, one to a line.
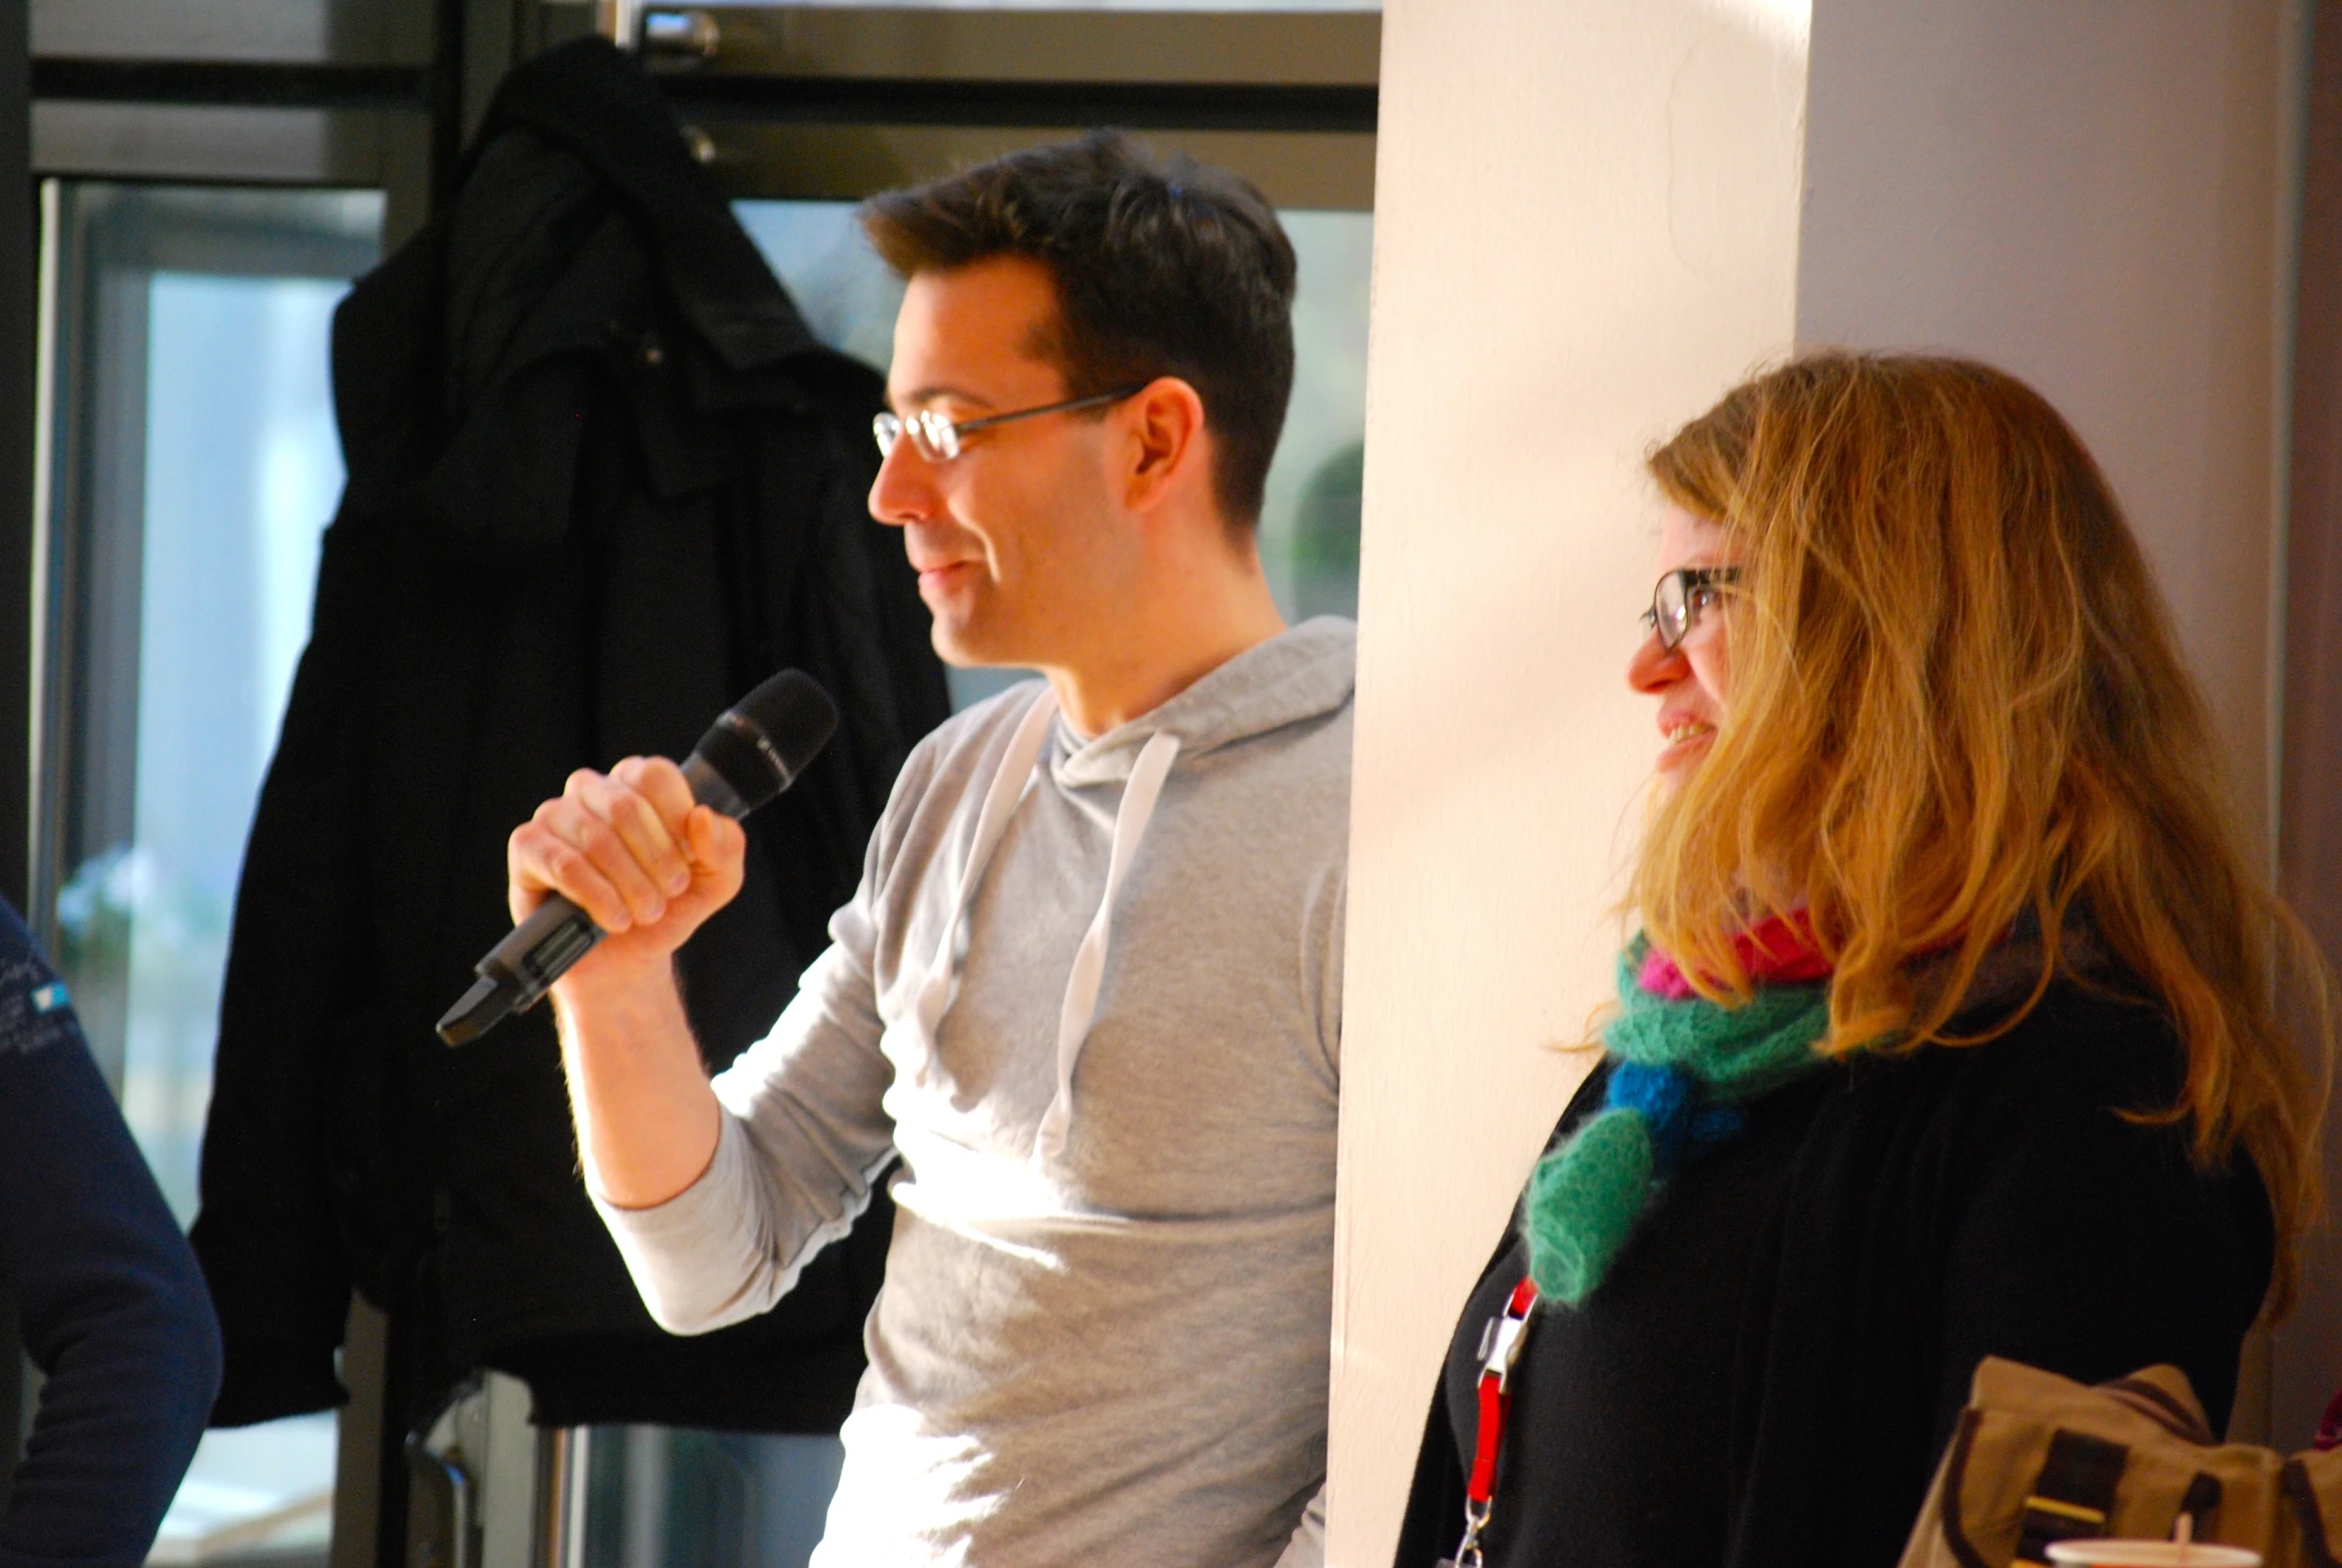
point(1500, 1346)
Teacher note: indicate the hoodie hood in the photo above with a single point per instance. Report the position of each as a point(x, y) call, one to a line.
point(1295, 676)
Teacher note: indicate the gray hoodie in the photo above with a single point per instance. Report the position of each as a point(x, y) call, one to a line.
point(1109, 1059)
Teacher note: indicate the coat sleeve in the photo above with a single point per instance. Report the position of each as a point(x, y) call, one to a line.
point(110, 1300)
point(1953, 1203)
point(267, 1233)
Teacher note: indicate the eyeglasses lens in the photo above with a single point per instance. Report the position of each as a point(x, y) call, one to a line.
point(1670, 611)
point(932, 436)
point(938, 437)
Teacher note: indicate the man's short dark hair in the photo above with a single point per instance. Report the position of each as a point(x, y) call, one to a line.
point(1163, 267)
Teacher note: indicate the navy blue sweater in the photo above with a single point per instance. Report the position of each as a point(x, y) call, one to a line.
point(111, 1306)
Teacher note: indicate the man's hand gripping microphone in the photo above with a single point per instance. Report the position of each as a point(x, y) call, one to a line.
point(755, 750)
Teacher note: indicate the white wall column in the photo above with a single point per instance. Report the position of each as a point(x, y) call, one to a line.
point(1585, 231)
point(2097, 199)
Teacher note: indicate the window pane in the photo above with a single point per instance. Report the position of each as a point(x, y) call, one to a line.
point(1310, 524)
point(255, 1492)
point(242, 473)
point(197, 465)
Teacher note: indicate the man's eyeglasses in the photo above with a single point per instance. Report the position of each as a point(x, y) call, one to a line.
point(1679, 598)
point(937, 440)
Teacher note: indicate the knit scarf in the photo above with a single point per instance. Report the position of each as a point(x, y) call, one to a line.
point(1681, 1068)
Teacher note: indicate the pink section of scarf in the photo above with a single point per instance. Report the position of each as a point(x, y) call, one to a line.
point(1777, 951)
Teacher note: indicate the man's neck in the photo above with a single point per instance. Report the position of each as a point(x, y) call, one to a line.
point(1159, 651)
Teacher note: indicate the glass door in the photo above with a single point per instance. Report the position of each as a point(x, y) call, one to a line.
point(195, 466)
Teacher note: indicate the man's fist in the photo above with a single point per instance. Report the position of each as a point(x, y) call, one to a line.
point(633, 851)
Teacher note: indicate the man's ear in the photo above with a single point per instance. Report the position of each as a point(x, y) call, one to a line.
point(1167, 451)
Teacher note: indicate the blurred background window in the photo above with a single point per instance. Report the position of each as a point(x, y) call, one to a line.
point(1083, 5)
point(195, 465)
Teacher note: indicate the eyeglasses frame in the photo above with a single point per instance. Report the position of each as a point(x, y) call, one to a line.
point(937, 439)
point(1693, 580)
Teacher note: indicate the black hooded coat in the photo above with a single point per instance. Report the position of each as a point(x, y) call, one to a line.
point(602, 480)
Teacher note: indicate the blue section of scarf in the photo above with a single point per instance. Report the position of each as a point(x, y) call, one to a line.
point(1680, 1073)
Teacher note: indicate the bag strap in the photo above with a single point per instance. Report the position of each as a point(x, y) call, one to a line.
point(2317, 1549)
point(2073, 1496)
point(2202, 1504)
point(2165, 1409)
point(1952, 1490)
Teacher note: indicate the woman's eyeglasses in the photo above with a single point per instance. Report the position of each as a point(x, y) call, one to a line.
point(1676, 603)
point(937, 440)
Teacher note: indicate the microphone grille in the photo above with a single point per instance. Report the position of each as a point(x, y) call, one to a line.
point(793, 714)
point(763, 741)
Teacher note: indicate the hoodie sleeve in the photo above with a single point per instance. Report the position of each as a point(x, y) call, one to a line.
point(803, 1141)
point(111, 1306)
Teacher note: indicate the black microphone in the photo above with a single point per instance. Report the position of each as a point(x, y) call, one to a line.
point(749, 755)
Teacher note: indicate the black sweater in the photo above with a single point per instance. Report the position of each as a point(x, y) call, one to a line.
point(1776, 1361)
point(111, 1306)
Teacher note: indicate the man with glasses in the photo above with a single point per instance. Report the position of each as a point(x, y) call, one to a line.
point(1089, 988)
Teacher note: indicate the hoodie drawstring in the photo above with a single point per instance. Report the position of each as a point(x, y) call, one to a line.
point(1001, 800)
point(1081, 1006)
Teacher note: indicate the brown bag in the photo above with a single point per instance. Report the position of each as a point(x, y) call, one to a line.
point(2037, 1458)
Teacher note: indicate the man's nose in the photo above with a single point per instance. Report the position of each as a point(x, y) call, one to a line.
point(903, 489)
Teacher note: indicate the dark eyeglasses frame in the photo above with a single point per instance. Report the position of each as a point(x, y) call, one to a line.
point(937, 440)
point(1671, 624)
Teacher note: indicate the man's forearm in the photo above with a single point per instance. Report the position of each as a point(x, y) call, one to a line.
point(647, 1122)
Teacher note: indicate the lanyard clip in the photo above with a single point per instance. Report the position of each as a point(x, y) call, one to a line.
point(1500, 1341)
point(1500, 1346)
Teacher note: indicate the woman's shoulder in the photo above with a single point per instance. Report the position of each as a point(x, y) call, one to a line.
point(2073, 1101)
point(2089, 1041)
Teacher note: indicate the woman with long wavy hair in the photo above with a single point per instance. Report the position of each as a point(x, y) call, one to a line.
point(1950, 1028)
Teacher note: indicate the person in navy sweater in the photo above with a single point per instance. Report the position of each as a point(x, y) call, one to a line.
point(111, 1306)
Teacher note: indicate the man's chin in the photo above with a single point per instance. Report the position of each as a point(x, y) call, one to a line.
point(954, 647)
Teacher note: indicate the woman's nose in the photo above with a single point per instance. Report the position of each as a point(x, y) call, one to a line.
point(1654, 668)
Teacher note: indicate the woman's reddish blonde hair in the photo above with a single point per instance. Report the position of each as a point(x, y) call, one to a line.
point(1958, 702)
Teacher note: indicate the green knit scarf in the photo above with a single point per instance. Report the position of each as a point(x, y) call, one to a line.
point(1680, 1072)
